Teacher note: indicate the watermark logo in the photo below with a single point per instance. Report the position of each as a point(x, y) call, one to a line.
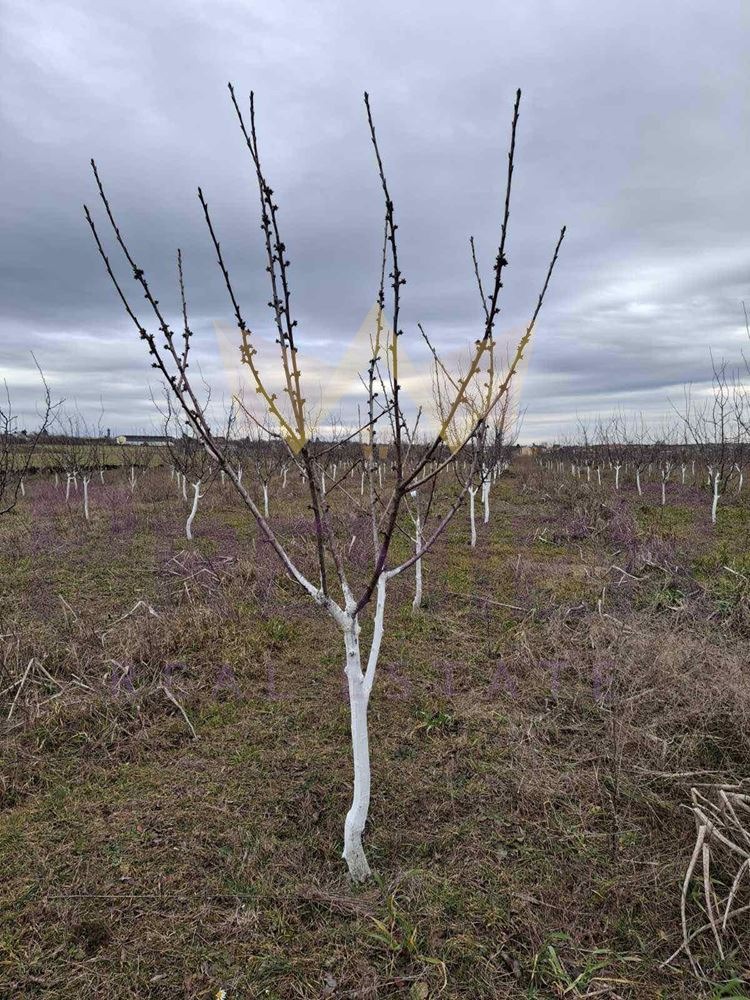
point(324, 393)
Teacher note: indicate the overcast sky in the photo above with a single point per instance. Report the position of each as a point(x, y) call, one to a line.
point(634, 131)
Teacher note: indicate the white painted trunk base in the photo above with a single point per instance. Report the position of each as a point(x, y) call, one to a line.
point(417, 602)
point(472, 518)
point(354, 824)
point(86, 481)
point(360, 685)
point(715, 501)
point(194, 509)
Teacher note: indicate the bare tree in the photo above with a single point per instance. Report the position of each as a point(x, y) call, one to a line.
point(136, 459)
point(340, 585)
point(612, 435)
point(192, 462)
point(78, 454)
point(17, 447)
point(639, 454)
point(666, 454)
point(715, 426)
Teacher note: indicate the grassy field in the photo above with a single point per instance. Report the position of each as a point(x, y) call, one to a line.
point(47, 457)
point(176, 766)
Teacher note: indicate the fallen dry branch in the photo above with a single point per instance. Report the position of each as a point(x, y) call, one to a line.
point(722, 847)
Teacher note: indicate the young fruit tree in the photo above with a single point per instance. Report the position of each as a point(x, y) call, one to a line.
point(134, 459)
point(351, 557)
point(190, 460)
point(78, 454)
point(17, 448)
point(715, 426)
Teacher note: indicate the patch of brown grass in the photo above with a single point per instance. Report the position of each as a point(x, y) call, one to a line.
point(535, 732)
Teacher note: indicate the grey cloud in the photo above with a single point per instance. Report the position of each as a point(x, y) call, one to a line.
point(634, 132)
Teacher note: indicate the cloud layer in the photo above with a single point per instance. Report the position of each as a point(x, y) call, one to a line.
point(634, 132)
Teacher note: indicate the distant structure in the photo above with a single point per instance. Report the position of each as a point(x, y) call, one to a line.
point(157, 440)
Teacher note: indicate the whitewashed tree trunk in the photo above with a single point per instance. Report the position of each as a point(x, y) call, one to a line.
point(715, 501)
point(360, 685)
point(101, 476)
point(617, 477)
point(22, 487)
point(86, 481)
point(184, 488)
point(223, 478)
point(472, 519)
point(57, 481)
point(265, 499)
point(193, 510)
point(68, 481)
point(663, 490)
point(638, 482)
point(283, 480)
point(354, 824)
point(132, 479)
point(683, 469)
point(741, 478)
point(599, 474)
point(417, 602)
point(486, 500)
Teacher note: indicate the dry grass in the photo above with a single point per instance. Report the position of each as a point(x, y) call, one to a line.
point(176, 771)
